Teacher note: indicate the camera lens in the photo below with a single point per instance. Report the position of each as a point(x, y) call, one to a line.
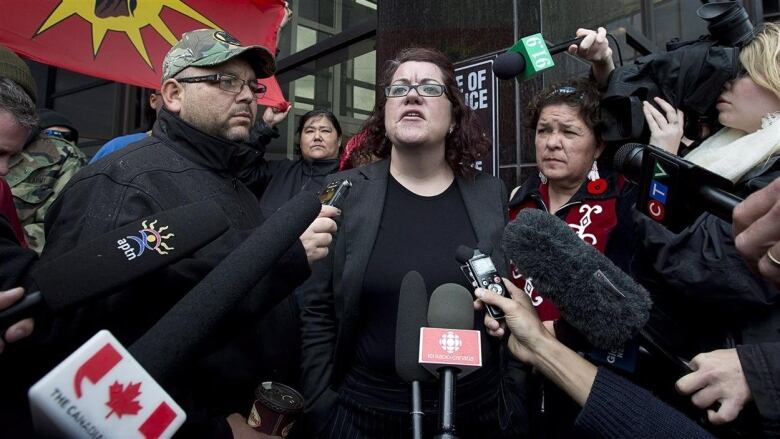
point(728, 22)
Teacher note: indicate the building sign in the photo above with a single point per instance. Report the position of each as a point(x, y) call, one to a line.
point(479, 87)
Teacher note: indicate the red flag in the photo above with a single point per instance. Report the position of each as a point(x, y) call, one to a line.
point(126, 40)
point(96, 367)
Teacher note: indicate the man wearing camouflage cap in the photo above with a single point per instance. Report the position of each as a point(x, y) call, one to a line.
point(209, 89)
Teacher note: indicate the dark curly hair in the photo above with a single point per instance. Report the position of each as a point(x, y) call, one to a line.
point(577, 93)
point(463, 147)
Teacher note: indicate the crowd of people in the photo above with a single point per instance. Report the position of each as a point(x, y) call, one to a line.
point(324, 319)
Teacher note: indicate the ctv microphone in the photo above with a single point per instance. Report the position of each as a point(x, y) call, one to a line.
point(674, 191)
point(528, 57)
point(593, 295)
point(105, 264)
point(412, 315)
point(450, 347)
point(173, 340)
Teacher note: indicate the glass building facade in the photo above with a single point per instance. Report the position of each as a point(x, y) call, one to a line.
point(331, 51)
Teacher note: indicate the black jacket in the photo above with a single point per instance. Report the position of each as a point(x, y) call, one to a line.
point(178, 165)
point(330, 315)
point(706, 298)
point(288, 178)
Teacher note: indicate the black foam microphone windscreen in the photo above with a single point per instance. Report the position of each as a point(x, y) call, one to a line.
point(451, 307)
point(593, 295)
point(105, 264)
point(175, 338)
point(508, 65)
point(412, 315)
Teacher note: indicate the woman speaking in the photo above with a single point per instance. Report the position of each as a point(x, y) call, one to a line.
point(408, 211)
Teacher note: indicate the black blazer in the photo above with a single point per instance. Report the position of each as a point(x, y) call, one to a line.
point(332, 295)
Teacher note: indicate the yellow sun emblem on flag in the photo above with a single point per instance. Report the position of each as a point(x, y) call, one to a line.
point(128, 16)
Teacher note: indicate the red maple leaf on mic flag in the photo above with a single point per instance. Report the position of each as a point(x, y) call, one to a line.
point(121, 399)
point(127, 41)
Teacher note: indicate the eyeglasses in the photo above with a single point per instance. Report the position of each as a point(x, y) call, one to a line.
point(229, 83)
point(426, 90)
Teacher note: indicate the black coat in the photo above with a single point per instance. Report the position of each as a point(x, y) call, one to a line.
point(289, 177)
point(330, 315)
point(179, 165)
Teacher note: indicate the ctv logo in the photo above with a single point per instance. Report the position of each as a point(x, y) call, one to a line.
point(658, 192)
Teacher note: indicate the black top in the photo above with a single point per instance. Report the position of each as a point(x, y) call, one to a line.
point(416, 233)
point(288, 178)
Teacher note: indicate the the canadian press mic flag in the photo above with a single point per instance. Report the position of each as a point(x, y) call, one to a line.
point(101, 391)
point(126, 40)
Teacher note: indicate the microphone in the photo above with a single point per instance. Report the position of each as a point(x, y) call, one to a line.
point(105, 264)
point(450, 347)
point(72, 399)
point(173, 340)
point(100, 390)
point(412, 315)
point(529, 56)
point(674, 191)
point(592, 294)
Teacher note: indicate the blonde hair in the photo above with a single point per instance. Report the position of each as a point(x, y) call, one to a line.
point(761, 58)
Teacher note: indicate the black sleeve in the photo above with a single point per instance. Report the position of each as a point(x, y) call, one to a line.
point(15, 260)
point(701, 262)
point(616, 408)
point(761, 366)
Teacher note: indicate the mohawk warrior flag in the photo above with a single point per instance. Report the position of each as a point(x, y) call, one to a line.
point(126, 40)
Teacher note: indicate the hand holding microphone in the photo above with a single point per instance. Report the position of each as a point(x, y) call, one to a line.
point(521, 320)
point(594, 47)
point(756, 230)
point(531, 343)
point(318, 236)
point(20, 329)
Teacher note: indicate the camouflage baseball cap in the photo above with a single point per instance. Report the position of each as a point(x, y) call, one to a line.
point(210, 47)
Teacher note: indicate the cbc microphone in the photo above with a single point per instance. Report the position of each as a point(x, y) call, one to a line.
point(450, 347)
point(105, 264)
point(672, 190)
point(528, 57)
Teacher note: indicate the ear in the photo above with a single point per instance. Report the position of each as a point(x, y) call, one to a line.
point(172, 95)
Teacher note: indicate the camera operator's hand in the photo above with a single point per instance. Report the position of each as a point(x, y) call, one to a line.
point(757, 230)
point(18, 330)
point(595, 49)
point(318, 236)
point(666, 130)
point(717, 377)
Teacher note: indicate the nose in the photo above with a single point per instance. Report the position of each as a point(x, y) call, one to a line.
point(409, 98)
point(554, 141)
point(245, 95)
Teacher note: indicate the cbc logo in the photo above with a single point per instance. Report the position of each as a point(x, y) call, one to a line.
point(450, 342)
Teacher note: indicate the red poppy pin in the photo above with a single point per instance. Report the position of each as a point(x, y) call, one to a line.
point(597, 186)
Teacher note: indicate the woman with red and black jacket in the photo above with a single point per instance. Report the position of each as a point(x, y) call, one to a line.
point(577, 186)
